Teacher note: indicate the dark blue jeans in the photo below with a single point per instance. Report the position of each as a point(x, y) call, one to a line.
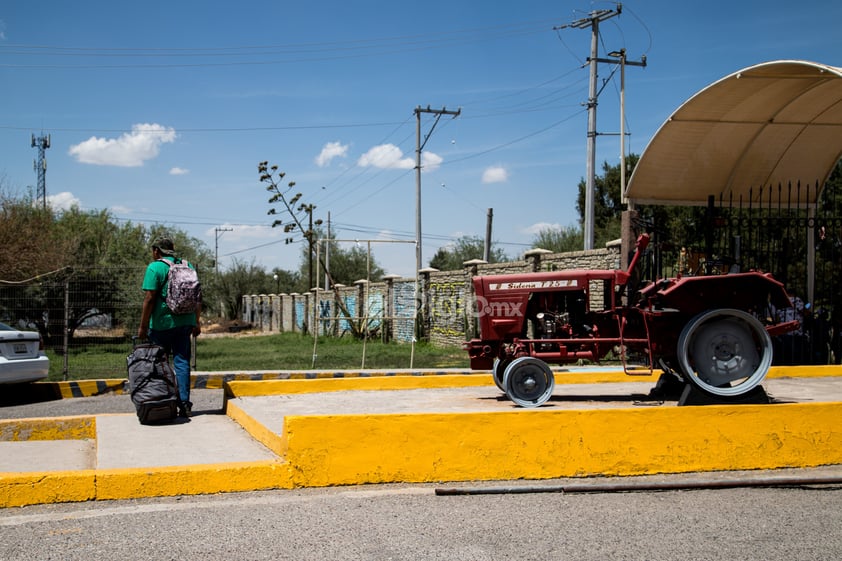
point(177, 343)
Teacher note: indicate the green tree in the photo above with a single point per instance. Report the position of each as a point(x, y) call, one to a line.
point(281, 200)
point(29, 245)
point(608, 201)
point(83, 250)
point(237, 280)
point(464, 249)
point(831, 196)
point(284, 282)
point(102, 245)
point(559, 240)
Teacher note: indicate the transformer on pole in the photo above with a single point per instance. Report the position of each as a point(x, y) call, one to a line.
point(40, 166)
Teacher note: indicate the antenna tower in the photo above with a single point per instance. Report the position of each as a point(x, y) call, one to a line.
point(40, 166)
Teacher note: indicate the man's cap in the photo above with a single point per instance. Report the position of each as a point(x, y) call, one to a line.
point(165, 246)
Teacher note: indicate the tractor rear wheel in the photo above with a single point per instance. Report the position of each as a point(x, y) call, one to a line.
point(724, 352)
point(529, 382)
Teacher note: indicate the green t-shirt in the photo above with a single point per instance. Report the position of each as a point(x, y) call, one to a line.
point(162, 318)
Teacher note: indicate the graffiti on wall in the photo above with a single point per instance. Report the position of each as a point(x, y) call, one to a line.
point(447, 308)
point(374, 311)
point(300, 313)
point(325, 317)
point(404, 307)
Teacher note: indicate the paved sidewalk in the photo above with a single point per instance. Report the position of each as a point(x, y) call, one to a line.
point(122, 442)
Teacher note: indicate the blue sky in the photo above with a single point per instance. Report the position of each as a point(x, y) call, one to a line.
point(161, 111)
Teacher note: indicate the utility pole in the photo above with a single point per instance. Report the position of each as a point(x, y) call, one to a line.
point(621, 56)
point(310, 236)
point(487, 249)
point(592, 21)
point(218, 232)
point(40, 166)
point(327, 255)
point(418, 148)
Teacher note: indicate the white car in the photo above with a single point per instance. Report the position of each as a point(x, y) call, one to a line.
point(22, 357)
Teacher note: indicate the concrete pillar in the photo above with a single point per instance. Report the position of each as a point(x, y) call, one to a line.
point(535, 255)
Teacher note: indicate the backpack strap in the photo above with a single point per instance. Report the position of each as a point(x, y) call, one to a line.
point(166, 278)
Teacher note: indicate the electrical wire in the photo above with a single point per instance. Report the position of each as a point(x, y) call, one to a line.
point(299, 53)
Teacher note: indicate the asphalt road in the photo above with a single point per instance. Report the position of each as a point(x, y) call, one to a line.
point(412, 523)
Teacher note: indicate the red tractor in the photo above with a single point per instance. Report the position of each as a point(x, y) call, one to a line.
point(714, 332)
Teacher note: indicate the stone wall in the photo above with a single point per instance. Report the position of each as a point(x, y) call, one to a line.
point(386, 309)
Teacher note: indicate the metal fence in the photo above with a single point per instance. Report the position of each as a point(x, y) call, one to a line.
point(78, 311)
point(785, 231)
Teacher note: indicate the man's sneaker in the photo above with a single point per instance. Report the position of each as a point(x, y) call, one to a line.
point(185, 409)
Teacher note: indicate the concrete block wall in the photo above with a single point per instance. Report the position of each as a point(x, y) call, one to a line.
point(445, 300)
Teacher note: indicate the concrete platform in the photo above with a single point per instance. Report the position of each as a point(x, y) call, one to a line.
point(336, 430)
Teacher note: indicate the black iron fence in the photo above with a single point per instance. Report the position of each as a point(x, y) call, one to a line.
point(787, 231)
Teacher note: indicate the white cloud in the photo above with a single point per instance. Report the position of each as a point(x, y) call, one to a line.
point(62, 201)
point(539, 227)
point(385, 156)
point(430, 161)
point(389, 156)
point(495, 174)
point(129, 150)
point(330, 151)
point(179, 171)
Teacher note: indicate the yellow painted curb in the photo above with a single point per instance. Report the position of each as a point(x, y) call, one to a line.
point(62, 428)
point(244, 388)
point(78, 388)
point(22, 489)
point(88, 388)
point(274, 442)
point(535, 444)
point(132, 483)
point(279, 387)
point(819, 371)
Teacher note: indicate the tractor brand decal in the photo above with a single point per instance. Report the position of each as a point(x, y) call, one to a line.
point(567, 283)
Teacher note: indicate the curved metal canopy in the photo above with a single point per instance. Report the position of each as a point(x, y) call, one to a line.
point(769, 125)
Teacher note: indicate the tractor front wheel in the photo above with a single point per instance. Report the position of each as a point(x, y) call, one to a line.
point(528, 381)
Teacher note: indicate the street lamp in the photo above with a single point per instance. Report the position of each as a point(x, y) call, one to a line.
point(277, 283)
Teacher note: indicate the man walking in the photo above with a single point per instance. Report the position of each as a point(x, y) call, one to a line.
point(162, 326)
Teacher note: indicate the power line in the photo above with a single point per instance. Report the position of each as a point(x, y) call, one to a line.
point(220, 129)
point(298, 53)
point(493, 31)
